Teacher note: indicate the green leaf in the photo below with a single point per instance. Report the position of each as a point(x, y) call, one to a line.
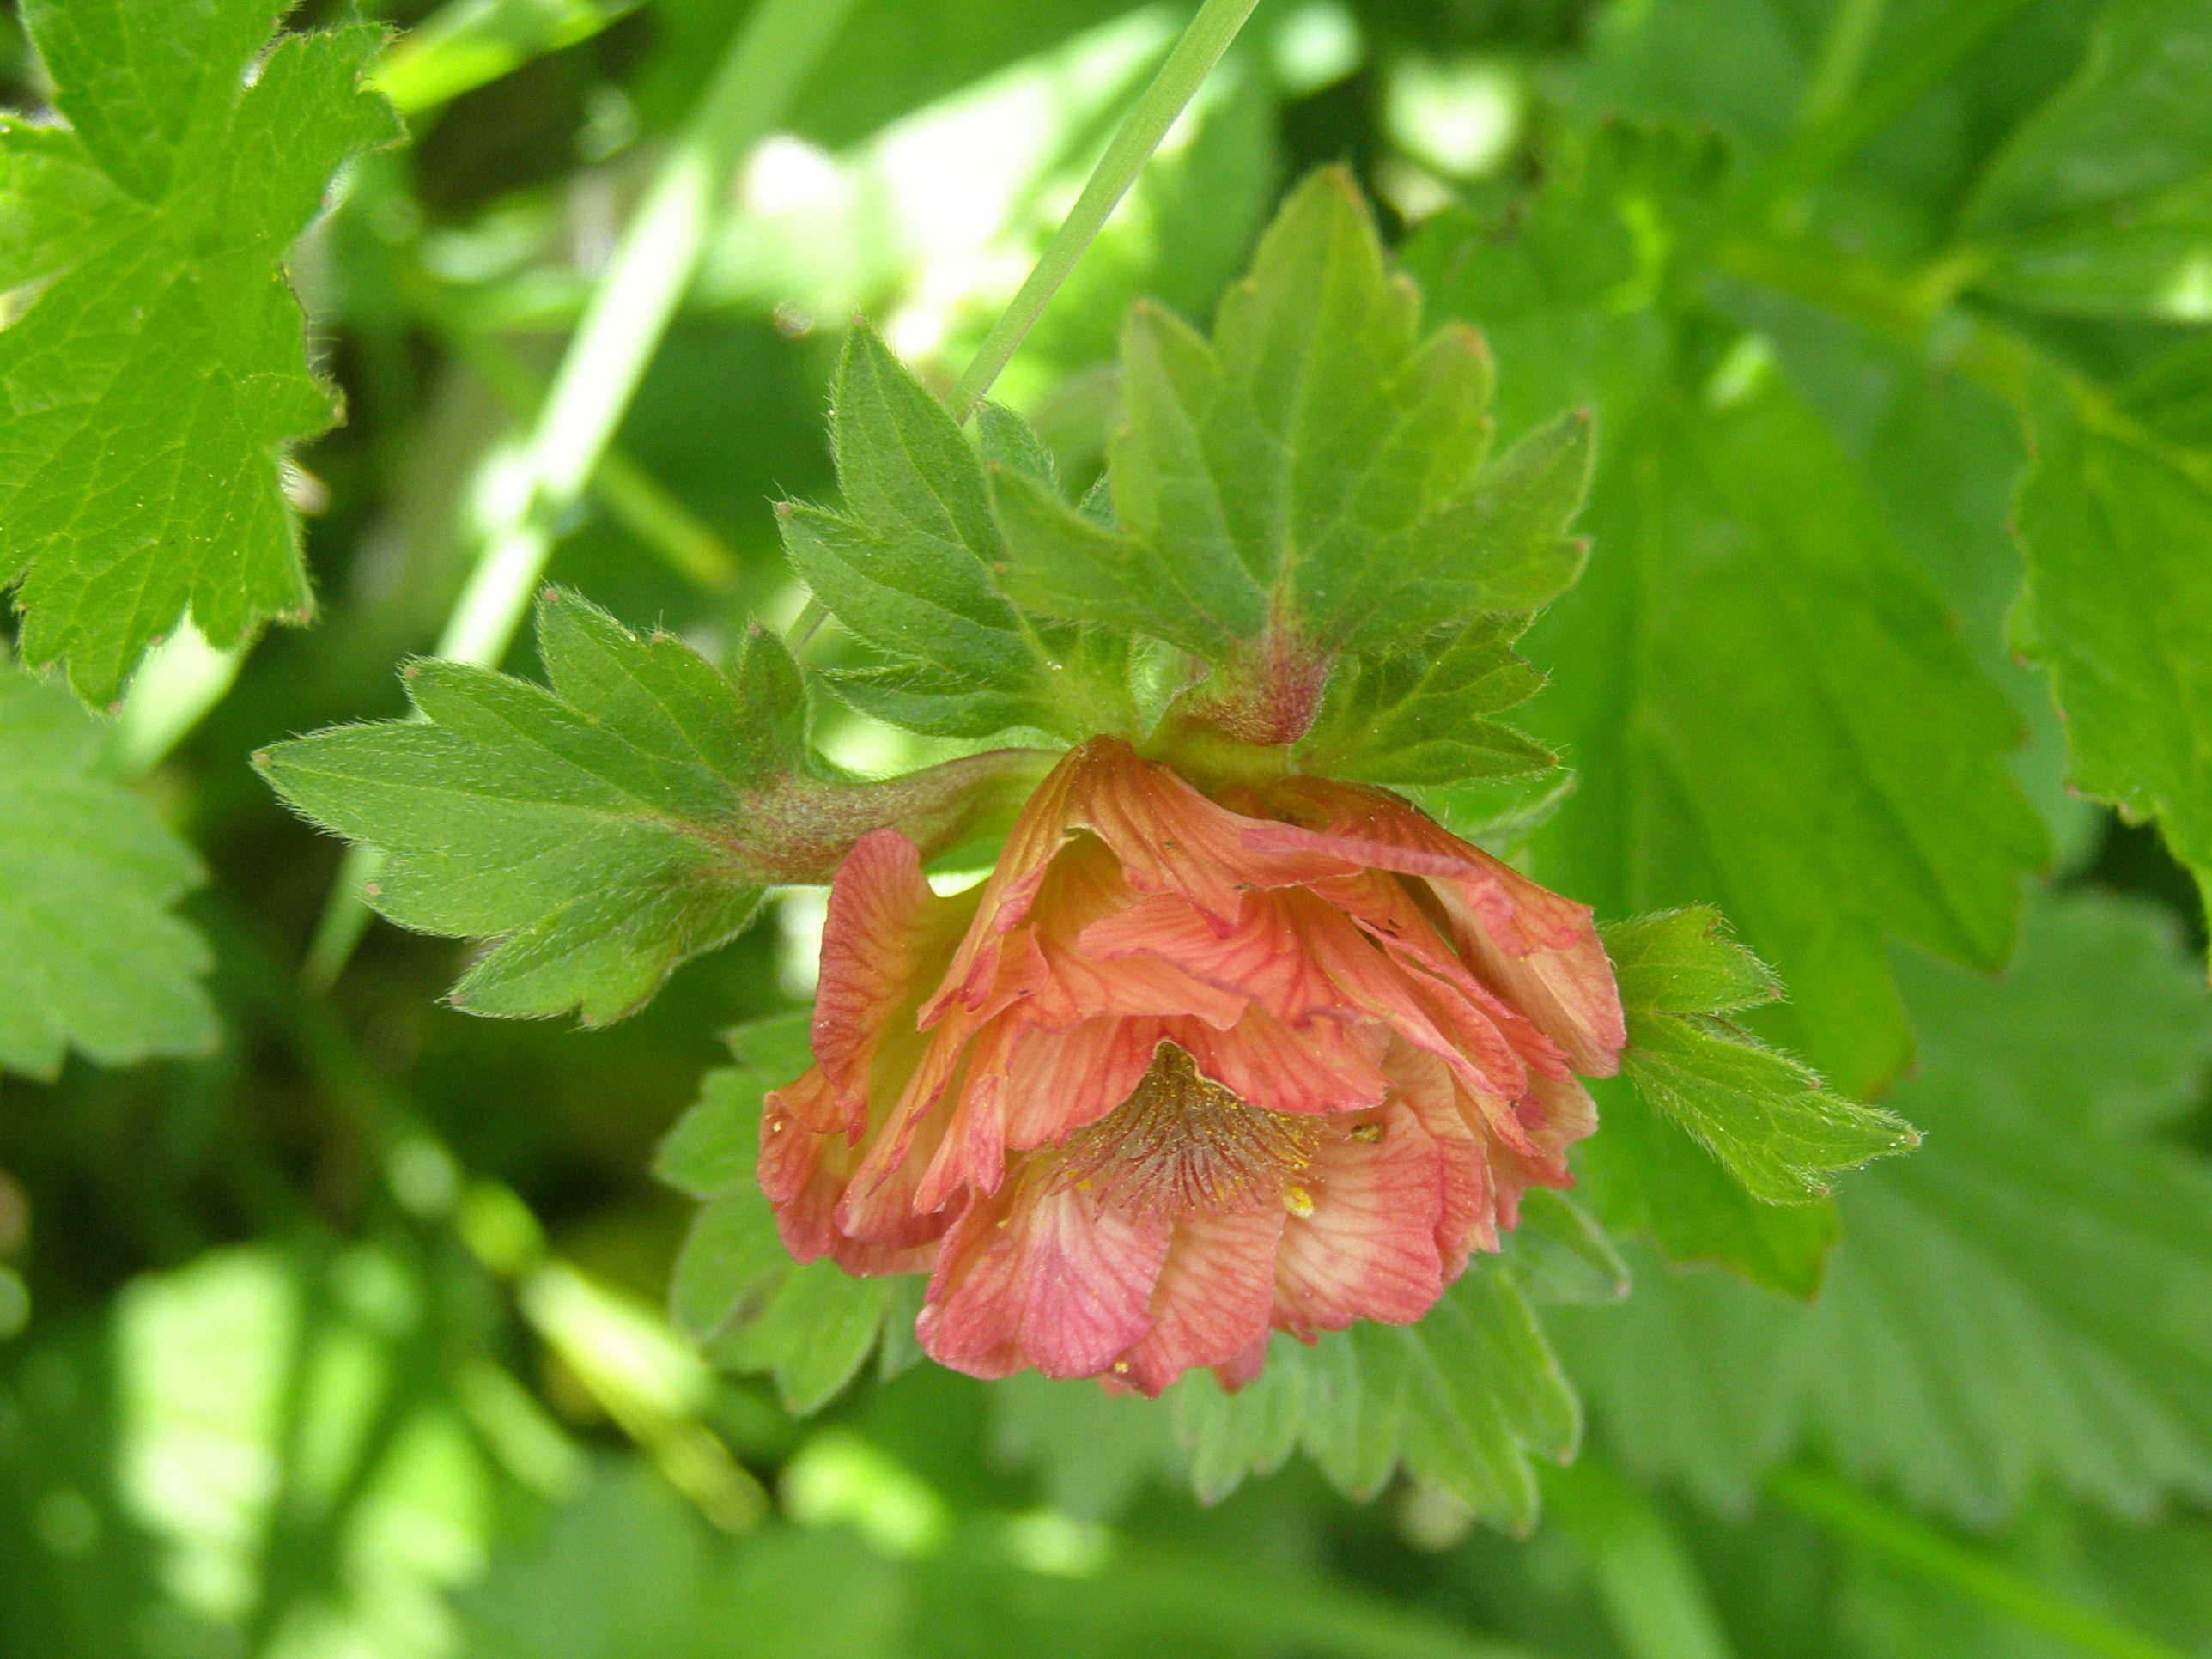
point(1418, 717)
point(736, 1292)
point(600, 831)
point(90, 956)
point(908, 566)
point(1463, 1399)
point(148, 394)
point(2133, 124)
point(2101, 202)
point(1308, 484)
point(1765, 1118)
point(2015, 1303)
point(2118, 609)
point(1767, 703)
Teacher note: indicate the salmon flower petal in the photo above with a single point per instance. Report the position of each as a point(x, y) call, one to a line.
point(1185, 1070)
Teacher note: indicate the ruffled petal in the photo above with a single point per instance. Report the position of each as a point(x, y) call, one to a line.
point(885, 937)
point(1060, 1081)
point(1328, 1068)
point(1040, 831)
point(1041, 1274)
point(1215, 1289)
point(1171, 839)
point(1469, 1218)
point(1260, 958)
point(1365, 1245)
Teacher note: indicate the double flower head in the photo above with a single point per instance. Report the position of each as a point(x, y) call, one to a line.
point(1190, 1067)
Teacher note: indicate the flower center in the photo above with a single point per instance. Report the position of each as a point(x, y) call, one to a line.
point(1181, 1142)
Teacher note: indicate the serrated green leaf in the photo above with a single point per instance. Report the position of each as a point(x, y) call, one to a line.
point(716, 1143)
point(1463, 1400)
point(1680, 961)
point(1766, 1118)
point(596, 831)
point(1307, 484)
point(909, 565)
point(2118, 609)
point(1418, 717)
point(90, 956)
point(1644, 1175)
point(2015, 1303)
point(147, 395)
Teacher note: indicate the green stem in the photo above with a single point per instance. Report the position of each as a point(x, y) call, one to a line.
point(471, 42)
point(767, 62)
point(1951, 35)
point(1843, 50)
point(1147, 123)
point(1644, 1575)
point(1918, 1547)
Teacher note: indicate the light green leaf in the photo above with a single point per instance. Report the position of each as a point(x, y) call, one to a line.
point(1308, 485)
point(149, 393)
point(2015, 1303)
point(1764, 1116)
point(90, 955)
point(600, 831)
point(2118, 610)
point(1463, 1399)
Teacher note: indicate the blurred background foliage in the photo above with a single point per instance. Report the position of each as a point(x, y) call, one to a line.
point(346, 1339)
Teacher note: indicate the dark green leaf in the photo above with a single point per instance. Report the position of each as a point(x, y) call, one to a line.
point(2014, 1302)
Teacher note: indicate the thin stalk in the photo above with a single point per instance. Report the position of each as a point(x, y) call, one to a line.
point(1843, 48)
point(1141, 131)
point(1912, 1544)
point(1951, 36)
point(768, 61)
point(471, 42)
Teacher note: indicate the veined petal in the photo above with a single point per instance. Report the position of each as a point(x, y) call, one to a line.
point(1171, 839)
point(1059, 1082)
point(885, 936)
point(1041, 1274)
point(1261, 957)
point(1328, 1068)
point(1360, 1242)
point(1040, 831)
point(1568, 993)
point(1468, 1220)
point(1212, 1303)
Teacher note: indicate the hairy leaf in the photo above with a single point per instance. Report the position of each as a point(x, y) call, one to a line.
point(600, 831)
point(1463, 1400)
point(148, 395)
point(736, 1292)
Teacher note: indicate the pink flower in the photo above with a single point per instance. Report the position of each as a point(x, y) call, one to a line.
point(1184, 1070)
